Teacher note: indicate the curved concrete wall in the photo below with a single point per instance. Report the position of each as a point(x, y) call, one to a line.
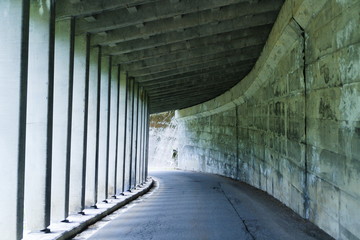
point(292, 126)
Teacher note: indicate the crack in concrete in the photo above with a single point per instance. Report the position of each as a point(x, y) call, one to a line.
point(242, 219)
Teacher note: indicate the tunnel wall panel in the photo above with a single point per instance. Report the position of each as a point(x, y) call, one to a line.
point(291, 127)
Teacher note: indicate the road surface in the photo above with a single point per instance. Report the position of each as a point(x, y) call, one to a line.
point(196, 206)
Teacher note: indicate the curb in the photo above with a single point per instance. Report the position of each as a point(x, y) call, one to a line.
point(78, 223)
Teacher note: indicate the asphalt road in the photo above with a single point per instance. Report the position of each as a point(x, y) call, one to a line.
point(188, 205)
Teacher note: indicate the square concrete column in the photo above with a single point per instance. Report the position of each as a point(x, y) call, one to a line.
point(103, 129)
point(77, 124)
point(13, 72)
point(132, 133)
point(90, 194)
point(86, 117)
point(140, 130)
point(108, 129)
point(135, 136)
point(138, 152)
point(147, 122)
point(146, 136)
point(118, 169)
point(139, 136)
point(114, 83)
point(60, 166)
point(39, 116)
point(128, 139)
point(142, 137)
point(122, 131)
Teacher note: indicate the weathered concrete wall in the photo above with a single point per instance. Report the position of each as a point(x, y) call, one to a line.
point(291, 127)
point(163, 141)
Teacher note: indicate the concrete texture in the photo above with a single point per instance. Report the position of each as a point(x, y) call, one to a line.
point(79, 222)
point(12, 119)
point(188, 205)
point(55, 96)
point(168, 39)
point(77, 125)
point(92, 128)
point(59, 204)
point(290, 127)
point(162, 141)
point(122, 130)
point(39, 117)
point(113, 131)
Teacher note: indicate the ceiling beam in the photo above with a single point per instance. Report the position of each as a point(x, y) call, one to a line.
point(186, 96)
point(181, 101)
point(206, 76)
point(182, 52)
point(121, 18)
point(178, 37)
point(226, 81)
point(225, 68)
point(229, 22)
point(199, 95)
point(198, 48)
point(195, 63)
point(69, 8)
point(195, 58)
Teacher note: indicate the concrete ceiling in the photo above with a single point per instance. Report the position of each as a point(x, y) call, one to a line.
point(183, 52)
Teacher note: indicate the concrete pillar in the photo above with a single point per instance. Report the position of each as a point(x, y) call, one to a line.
point(113, 130)
point(86, 118)
point(140, 131)
point(108, 129)
point(123, 122)
point(145, 135)
point(141, 116)
point(59, 206)
point(97, 139)
point(92, 128)
point(103, 129)
point(147, 122)
point(139, 149)
point(144, 138)
point(39, 116)
point(118, 162)
point(13, 72)
point(140, 135)
point(135, 136)
point(128, 139)
point(69, 119)
point(143, 132)
point(77, 124)
point(131, 132)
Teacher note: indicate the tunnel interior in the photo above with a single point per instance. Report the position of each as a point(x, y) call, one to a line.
point(263, 92)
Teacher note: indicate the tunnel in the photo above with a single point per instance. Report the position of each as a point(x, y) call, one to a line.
point(264, 93)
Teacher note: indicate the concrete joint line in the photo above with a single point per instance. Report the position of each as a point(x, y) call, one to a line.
point(304, 142)
point(77, 223)
point(242, 219)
